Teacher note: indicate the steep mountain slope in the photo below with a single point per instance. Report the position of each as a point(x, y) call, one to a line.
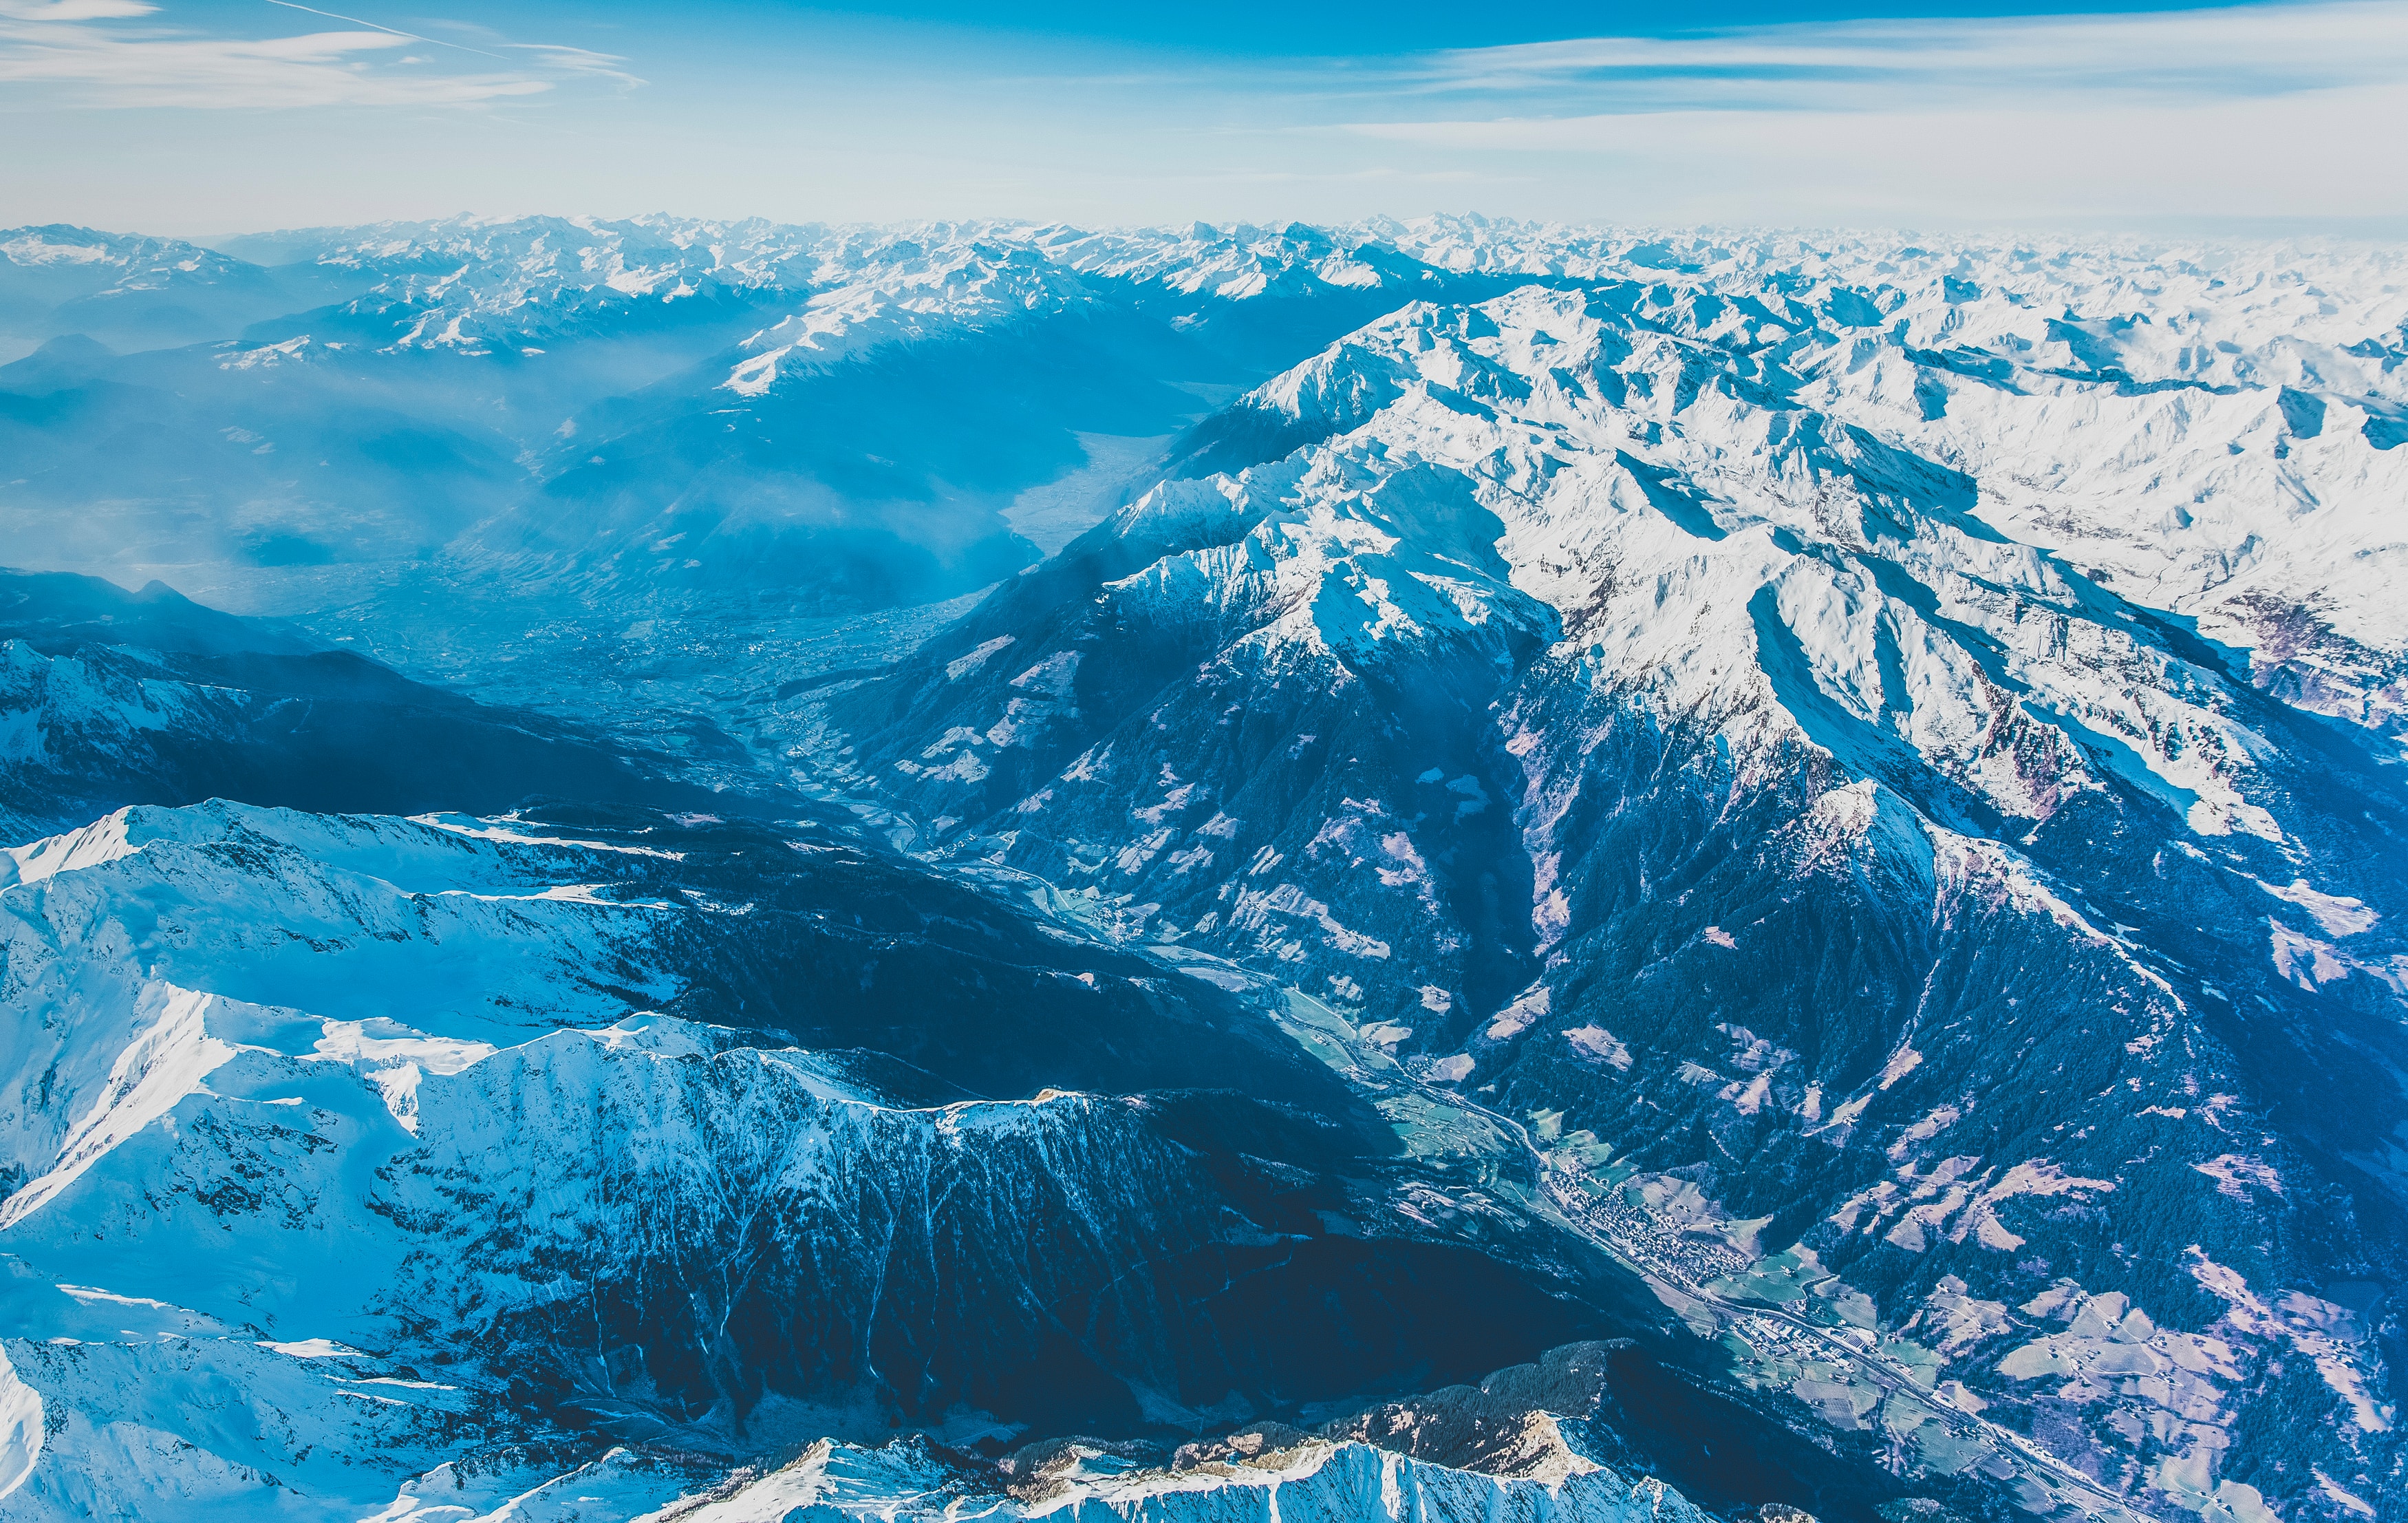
point(110, 697)
point(344, 1147)
point(1607, 728)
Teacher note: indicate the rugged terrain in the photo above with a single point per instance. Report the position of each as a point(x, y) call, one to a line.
point(1828, 811)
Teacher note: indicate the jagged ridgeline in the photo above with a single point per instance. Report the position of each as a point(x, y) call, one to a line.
point(1442, 869)
point(752, 1137)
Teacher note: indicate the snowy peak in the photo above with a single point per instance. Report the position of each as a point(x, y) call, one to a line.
point(315, 1063)
point(466, 285)
point(903, 294)
point(1583, 700)
point(1605, 436)
point(557, 252)
point(1239, 262)
point(128, 291)
point(1352, 568)
point(1673, 504)
point(117, 261)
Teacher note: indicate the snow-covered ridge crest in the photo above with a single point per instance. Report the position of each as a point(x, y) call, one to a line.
point(103, 840)
point(907, 296)
point(155, 1092)
point(116, 1017)
point(1312, 1478)
point(1348, 562)
point(1236, 262)
point(467, 285)
point(636, 255)
point(1602, 440)
point(144, 263)
point(289, 1073)
point(2185, 414)
point(1848, 811)
point(1698, 531)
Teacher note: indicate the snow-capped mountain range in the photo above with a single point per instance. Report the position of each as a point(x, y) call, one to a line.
point(1828, 806)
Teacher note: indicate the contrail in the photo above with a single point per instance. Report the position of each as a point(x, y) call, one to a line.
point(433, 42)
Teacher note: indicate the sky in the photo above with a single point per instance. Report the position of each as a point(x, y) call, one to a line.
point(206, 118)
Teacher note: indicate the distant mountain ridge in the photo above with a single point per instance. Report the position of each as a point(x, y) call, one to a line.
point(1983, 356)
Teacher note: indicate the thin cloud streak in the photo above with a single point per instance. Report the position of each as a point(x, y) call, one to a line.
point(2260, 111)
point(73, 11)
point(2165, 58)
point(1986, 165)
point(2238, 51)
point(63, 51)
point(562, 59)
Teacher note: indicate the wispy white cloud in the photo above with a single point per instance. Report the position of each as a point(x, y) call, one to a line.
point(2256, 111)
point(72, 10)
point(108, 53)
point(2232, 52)
point(560, 59)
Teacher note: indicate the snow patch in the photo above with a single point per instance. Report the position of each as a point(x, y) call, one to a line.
point(969, 661)
point(1597, 1042)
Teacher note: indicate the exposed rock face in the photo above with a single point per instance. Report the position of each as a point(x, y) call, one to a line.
point(283, 1077)
point(1092, 1484)
point(1510, 1424)
point(1531, 1429)
point(1767, 830)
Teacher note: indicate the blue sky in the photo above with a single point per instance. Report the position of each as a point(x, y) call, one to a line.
point(204, 116)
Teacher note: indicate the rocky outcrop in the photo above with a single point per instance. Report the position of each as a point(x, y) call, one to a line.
point(1608, 724)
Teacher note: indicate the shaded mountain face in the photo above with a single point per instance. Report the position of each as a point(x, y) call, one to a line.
point(752, 1137)
point(1608, 725)
point(110, 697)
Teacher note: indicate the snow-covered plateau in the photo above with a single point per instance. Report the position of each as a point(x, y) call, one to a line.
point(1439, 869)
